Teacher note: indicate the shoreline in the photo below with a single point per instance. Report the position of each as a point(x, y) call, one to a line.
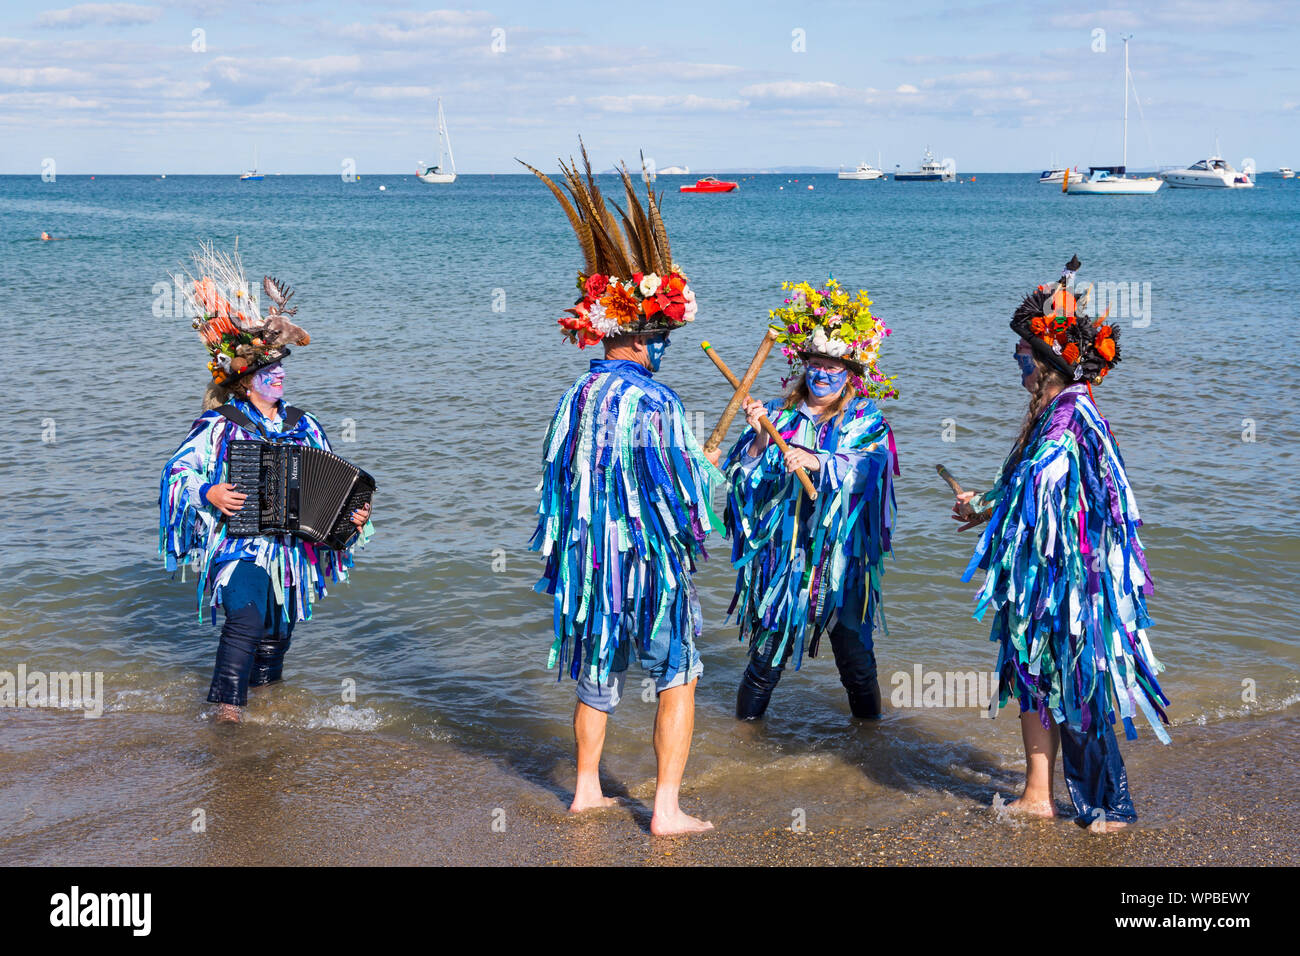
point(273, 796)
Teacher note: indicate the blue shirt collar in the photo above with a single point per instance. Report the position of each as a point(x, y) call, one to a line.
point(622, 366)
point(255, 414)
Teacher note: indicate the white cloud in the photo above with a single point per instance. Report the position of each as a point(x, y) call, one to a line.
point(101, 14)
point(647, 103)
point(907, 88)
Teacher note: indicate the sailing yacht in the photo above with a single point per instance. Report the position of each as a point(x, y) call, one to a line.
point(436, 173)
point(1113, 180)
point(252, 175)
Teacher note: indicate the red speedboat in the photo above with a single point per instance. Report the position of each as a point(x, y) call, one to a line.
point(709, 185)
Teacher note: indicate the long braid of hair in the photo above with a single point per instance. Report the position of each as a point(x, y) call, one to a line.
point(1046, 378)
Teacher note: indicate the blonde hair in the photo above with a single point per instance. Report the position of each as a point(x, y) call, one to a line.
point(799, 392)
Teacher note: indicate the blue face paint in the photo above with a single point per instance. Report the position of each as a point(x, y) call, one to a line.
point(1026, 362)
point(656, 348)
point(823, 382)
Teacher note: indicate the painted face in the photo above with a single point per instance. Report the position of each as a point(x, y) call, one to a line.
point(656, 347)
point(268, 383)
point(824, 381)
point(1025, 359)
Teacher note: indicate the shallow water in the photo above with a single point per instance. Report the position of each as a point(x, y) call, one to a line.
point(449, 401)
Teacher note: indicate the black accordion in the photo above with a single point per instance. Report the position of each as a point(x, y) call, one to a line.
point(292, 489)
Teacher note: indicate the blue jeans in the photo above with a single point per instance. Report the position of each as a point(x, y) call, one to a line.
point(254, 638)
point(1095, 774)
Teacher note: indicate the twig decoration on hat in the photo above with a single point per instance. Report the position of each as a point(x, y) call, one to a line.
point(629, 283)
point(227, 314)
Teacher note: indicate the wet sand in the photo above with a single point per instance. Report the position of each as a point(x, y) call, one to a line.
point(271, 795)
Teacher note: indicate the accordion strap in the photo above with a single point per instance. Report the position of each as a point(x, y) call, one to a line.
point(291, 418)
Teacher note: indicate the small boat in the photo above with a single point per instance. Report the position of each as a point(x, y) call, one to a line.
point(931, 171)
point(709, 184)
point(1213, 173)
point(1113, 180)
point(1286, 173)
point(436, 173)
point(1110, 181)
point(252, 175)
point(1058, 175)
point(864, 171)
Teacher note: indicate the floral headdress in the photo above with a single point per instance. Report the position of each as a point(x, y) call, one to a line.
point(828, 321)
point(228, 316)
point(629, 283)
point(1059, 327)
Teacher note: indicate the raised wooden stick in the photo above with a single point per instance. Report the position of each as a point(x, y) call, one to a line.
point(946, 475)
point(742, 391)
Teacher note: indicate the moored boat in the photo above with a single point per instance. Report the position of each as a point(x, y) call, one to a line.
point(709, 184)
point(436, 173)
point(864, 171)
point(931, 171)
point(1113, 180)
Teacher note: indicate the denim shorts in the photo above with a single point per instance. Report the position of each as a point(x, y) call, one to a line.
point(604, 696)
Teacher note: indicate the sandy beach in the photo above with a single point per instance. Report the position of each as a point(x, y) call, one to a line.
point(282, 796)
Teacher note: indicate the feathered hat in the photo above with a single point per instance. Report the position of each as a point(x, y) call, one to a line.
point(228, 316)
point(1062, 331)
point(629, 283)
point(827, 321)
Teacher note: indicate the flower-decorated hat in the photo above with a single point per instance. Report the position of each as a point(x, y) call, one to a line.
point(228, 316)
point(828, 322)
point(1060, 328)
point(629, 284)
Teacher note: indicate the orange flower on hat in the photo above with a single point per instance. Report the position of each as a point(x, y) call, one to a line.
point(620, 304)
point(1038, 325)
point(1104, 343)
point(1070, 353)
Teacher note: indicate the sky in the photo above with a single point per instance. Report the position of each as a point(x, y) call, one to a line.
point(196, 86)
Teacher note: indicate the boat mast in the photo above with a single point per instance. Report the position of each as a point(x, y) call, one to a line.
point(1126, 38)
point(444, 140)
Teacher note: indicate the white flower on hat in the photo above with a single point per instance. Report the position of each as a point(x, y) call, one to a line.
point(600, 321)
point(649, 284)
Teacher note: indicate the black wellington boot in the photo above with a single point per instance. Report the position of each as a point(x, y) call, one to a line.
point(857, 666)
point(756, 688)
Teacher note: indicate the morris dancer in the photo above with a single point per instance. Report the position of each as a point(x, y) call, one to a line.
point(1064, 570)
point(624, 506)
point(815, 563)
point(265, 584)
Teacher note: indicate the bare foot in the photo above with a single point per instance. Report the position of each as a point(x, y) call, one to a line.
point(1044, 808)
point(667, 824)
point(589, 802)
point(1106, 826)
point(229, 714)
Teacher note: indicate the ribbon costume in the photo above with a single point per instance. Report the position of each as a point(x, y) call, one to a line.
point(267, 583)
point(804, 566)
point(1062, 566)
point(624, 498)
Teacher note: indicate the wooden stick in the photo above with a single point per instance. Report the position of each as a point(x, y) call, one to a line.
point(946, 475)
point(742, 389)
point(768, 427)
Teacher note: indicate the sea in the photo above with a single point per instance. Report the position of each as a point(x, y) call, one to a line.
point(436, 363)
